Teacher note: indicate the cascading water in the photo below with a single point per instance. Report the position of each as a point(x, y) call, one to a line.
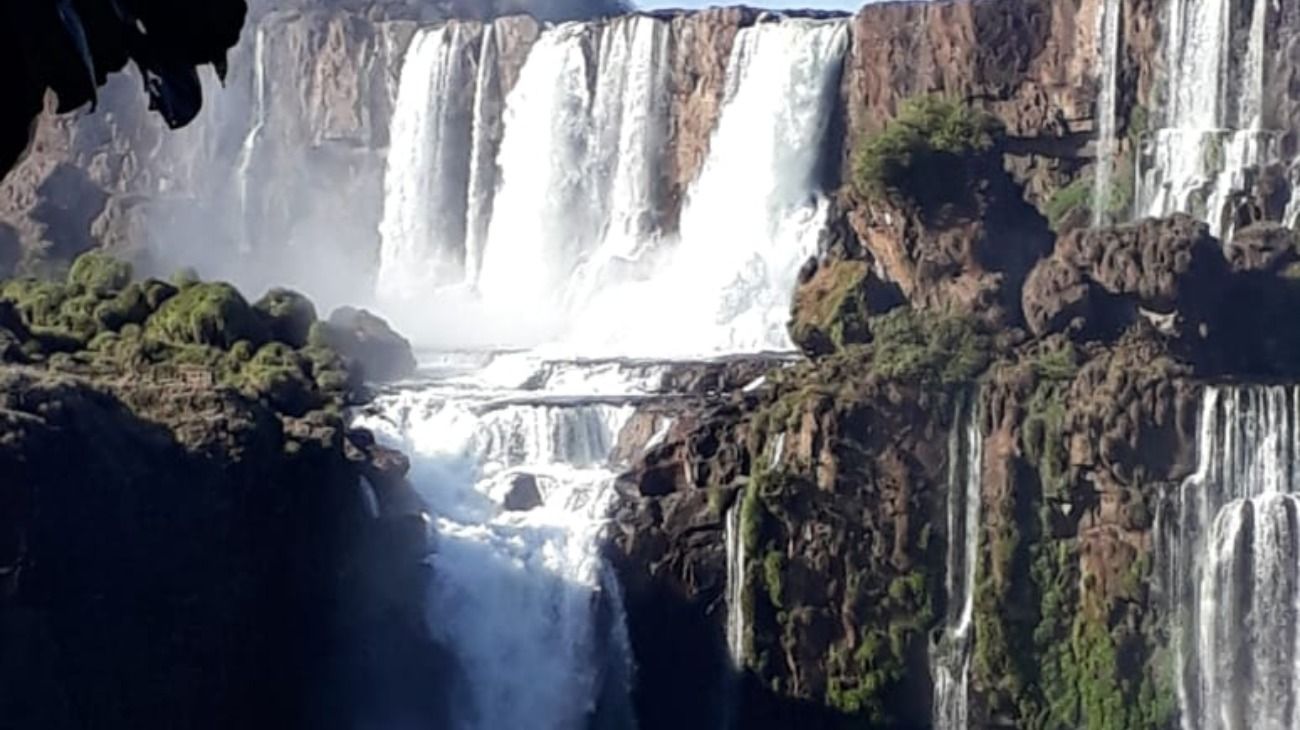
point(1213, 134)
point(522, 598)
point(1230, 547)
point(754, 214)
point(1107, 145)
point(482, 160)
point(425, 188)
point(562, 228)
point(951, 656)
point(567, 238)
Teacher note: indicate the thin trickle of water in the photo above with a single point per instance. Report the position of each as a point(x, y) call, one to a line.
point(1231, 551)
point(951, 657)
point(249, 148)
point(736, 625)
point(1107, 143)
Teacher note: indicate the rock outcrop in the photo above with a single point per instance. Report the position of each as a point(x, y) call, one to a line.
point(70, 48)
point(190, 535)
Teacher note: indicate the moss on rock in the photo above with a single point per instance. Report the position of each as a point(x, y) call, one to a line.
point(99, 274)
point(208, 313)
point(288, 315)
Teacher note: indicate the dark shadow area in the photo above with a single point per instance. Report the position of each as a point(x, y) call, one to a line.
point(226, 582)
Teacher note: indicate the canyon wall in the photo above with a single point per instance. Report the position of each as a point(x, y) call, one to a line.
point(1093, 355)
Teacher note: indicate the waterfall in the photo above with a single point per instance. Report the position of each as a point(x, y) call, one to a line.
point(755, 212)
point(482, 160)
point(1231, 555)
point(524, 600)
point(540, 217)
point(427, 178)
point(1107, 144)
point(1213, 136)
point(566, 237)
point(951, 656)
point(735, 544)
point(249, 148)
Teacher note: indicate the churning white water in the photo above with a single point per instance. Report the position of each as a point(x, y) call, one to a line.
point(1212, 136)
point(522, 598)
point(1231, 552)
point(571, 240)
point(951, 657)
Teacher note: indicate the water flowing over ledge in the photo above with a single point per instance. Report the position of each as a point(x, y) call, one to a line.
point(575, 244)
point(951, 657)
point(1230, 547)
point(518, 483)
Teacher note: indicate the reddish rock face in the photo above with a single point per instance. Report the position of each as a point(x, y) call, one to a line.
point(1032, 64)
point(701, 46)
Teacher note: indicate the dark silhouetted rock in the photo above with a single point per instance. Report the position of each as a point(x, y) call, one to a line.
point(523, 494)
point(366, 341)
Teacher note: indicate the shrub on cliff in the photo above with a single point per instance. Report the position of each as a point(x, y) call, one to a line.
point(209, 313)
point(921, 346)
point(918, 154)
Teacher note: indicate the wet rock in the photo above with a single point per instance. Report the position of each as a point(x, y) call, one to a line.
point(365, 340)
point(522, 494)
point(1266, 247)
point(1097, 282)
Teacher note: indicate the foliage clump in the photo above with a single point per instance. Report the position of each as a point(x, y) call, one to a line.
point(930, 348)
point(98, 321)
point(99, 274)
point(920, 150)
point(210, 313)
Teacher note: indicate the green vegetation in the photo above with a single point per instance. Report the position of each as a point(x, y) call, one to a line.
point(100, 321)
point(917, 151)
point(928, 348)
point(1042, 439)
point(830, 311)
point(861, 681)
point(99, 274)
point(774, 565)
point(1074, 201)
point(210, 313)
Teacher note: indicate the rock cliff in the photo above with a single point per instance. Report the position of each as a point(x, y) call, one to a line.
point(959, 286)
point(189, 533)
